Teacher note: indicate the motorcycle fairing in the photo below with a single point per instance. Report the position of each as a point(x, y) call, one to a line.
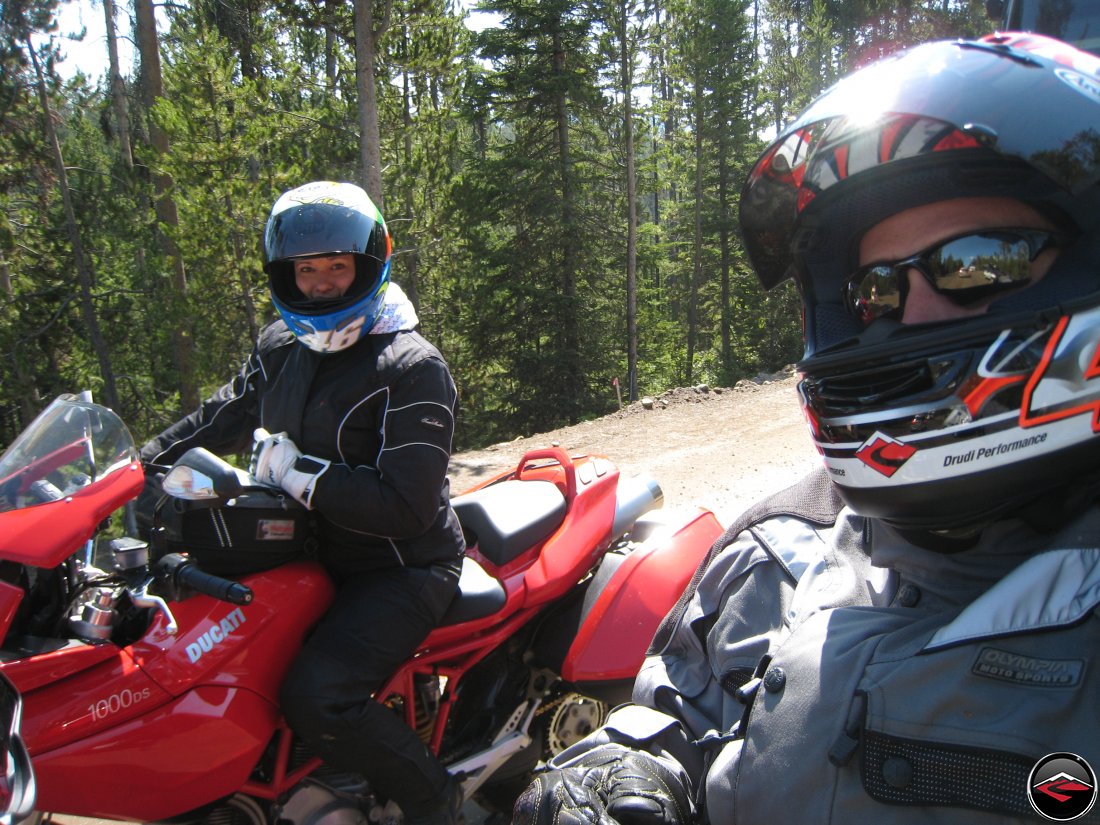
point(612, 640)
point(46, 534)
point(100, 697)
point(84, 693)
point(56, 659)
point(10, 598)
point(194, 750)
point(250, 646)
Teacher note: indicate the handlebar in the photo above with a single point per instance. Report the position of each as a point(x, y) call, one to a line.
point(182, 572)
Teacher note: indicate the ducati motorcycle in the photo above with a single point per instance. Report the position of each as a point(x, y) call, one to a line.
point(149, 670)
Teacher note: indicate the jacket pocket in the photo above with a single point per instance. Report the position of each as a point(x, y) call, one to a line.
point(899, 771)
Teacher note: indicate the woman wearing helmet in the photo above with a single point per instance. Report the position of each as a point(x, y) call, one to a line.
point(317, 221)
point(907, 635)
point(362, 411)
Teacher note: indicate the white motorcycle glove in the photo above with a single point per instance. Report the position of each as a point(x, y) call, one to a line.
point(277, 462)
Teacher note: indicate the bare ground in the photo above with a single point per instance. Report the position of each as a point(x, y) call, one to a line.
point(719, 448)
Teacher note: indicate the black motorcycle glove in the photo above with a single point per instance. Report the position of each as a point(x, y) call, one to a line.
point(610, 785)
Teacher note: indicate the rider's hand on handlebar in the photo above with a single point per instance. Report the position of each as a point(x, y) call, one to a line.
point(277, 462)
point(610, 785)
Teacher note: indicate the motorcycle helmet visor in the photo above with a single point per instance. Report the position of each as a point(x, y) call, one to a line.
point(966, 269)
point(312, 230)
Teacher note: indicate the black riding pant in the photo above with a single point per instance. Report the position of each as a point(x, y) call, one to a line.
point(376, 622)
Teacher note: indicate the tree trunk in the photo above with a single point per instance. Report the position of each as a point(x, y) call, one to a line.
point(5, 276)
point(118, 91)
point(726, 258)
point(571, 356)
point(84, 278)
point(627, 65)
point(167, 216)
point(697, 239)
point(367, 34)
point(330, 42)
point(411, 258)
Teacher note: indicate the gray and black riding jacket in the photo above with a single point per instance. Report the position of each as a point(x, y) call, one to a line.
point(823, 669)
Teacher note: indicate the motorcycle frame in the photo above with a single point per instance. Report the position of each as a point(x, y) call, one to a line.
point(451, 663)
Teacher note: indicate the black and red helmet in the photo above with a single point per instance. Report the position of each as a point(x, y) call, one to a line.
point(944, 425)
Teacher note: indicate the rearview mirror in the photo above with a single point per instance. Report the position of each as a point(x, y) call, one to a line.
point(199, 474)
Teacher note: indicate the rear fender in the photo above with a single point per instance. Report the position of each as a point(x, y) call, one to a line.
point(618, 627)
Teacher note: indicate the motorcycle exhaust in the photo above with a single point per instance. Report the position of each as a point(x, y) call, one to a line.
point(634, 498)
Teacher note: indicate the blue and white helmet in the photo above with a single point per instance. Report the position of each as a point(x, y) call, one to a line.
point(319, 219)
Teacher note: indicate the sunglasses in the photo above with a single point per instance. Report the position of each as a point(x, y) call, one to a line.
point(965, 269)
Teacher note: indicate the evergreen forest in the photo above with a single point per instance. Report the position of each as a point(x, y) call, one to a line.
point(561, 187)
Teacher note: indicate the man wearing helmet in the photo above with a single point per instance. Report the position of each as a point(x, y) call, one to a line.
point(907, 635)
point(362, 411)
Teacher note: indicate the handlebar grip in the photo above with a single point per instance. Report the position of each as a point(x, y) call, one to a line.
point(214, 586)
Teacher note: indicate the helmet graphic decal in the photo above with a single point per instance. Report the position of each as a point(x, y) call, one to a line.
point(1005, 364)
point(885, 455)
point(1065, 387)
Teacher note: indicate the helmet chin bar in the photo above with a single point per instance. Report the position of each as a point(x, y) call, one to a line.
point(945, 427)
point(335, 330)
point(1046, 501)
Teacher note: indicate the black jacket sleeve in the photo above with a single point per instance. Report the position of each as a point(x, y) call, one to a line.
point(223, 423)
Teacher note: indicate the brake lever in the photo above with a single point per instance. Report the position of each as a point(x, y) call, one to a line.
point(141, 597)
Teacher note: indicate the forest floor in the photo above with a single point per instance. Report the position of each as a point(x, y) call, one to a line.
point(719, 448)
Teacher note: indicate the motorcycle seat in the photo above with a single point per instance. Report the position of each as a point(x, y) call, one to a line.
point(479, 594)
point(505, 519)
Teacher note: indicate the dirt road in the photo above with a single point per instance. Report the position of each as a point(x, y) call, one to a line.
point(722, 449)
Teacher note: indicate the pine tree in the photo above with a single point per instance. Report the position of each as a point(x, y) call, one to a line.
point(534, 204)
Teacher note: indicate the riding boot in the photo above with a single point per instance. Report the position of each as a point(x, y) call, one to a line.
point(445, 809)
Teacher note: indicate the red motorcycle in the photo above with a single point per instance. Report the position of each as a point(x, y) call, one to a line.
point(149, 684)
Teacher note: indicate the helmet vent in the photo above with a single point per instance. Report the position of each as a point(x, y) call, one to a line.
point(856, 391)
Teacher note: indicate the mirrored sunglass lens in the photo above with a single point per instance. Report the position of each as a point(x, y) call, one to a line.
point(876, 294)
point(979, 263)
point(966, 270)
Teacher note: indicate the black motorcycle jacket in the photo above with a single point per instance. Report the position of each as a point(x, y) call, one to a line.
point(382, 411)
